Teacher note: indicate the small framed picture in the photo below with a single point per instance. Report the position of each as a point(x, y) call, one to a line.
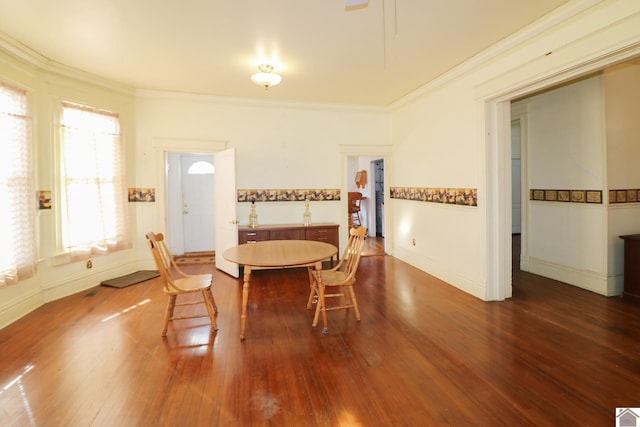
point(142, 194)
point(563, 196)
point(594, 196)
point(578, 196)
point(44, 199)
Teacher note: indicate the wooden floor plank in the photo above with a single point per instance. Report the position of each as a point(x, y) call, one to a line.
point(424, 353)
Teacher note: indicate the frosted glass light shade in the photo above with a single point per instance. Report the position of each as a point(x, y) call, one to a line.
point(266, 77)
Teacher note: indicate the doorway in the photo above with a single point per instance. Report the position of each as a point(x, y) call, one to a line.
point(378, 185)
point(372, 188)
point(499, 117)
point(198, 198)
point(190, 202)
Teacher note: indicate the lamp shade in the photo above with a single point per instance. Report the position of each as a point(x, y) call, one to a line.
point(266, 77)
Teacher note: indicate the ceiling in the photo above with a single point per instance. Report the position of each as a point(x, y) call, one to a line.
point(324, 53)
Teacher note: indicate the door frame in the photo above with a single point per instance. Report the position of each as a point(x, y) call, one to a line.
point(187, 146)
point(498, 164)
point(384, 152)
point(187, 219)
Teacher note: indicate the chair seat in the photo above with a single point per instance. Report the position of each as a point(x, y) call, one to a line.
point(196, 283)
point(330, 278)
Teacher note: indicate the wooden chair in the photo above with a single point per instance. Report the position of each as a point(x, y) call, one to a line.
point(342, 277)
point(182, 283)
point(355, 200)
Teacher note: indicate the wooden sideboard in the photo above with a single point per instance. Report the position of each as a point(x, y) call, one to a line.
point(320, 232)
point(631, 265)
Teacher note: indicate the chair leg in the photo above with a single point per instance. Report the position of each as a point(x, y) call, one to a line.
point(346, 296)
point(212, 309)
point(321, 308)
point(312, 295)
point(171, 305)
point(316, 315)
point(213, 303)
point(312, 288)
point(319, 304)
point(354, 301)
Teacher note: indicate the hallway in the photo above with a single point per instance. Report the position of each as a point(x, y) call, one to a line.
point(373, 246)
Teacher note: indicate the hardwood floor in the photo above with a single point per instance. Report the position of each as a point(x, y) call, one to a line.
point(424, 354)
point(373, 246)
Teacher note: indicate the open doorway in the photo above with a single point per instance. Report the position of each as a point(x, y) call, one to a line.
point(171, 205)
point(366, 175)
point(500, 114)
point(190, 202)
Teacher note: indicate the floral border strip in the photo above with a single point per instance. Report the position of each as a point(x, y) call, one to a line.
point(624, 196)
point(288, 195)
point(142, 195)
point(566, 196)
point(452, 196)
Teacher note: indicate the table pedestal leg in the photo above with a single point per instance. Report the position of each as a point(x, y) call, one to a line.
point(245, 299)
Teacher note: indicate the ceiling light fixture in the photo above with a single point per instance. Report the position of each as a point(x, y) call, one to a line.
point(355, 4)
point(266, 77)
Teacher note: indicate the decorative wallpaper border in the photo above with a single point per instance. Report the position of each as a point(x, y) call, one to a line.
point(142, 194)
point(452, 196)
point(289, 195)
point(624, 196)
point(566, 196)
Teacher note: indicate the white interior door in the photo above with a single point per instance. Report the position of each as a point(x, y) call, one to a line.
point(226, 217)
point(198, 202)
point(516, 178)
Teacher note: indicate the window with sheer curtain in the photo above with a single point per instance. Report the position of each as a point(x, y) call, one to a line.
point(94, 213)
point(18, 252)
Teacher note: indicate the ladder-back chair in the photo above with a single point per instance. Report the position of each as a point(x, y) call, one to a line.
point(354, 199)
point(178, 283)
point(342, 277)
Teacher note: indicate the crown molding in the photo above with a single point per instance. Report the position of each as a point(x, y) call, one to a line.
point(41, 63)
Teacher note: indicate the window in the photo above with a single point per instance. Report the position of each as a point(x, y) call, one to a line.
point(201, 168)
point(94, 213)
point(18, 253)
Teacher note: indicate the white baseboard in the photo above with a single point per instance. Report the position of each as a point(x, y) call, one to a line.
point(451, 277)
point(18, 307)
point(15, 309)
point(589, 280)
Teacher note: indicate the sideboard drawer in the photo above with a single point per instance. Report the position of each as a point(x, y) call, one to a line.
point(252, 236)
point(287, 234)
point(323, 234)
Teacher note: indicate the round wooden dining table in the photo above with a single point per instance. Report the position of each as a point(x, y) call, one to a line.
point(277, 254)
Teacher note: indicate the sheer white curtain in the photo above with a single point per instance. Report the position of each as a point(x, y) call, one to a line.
point(94, 208)
point(18, 251)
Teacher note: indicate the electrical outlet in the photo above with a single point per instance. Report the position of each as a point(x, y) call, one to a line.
point(89, 264)
point(413, 241)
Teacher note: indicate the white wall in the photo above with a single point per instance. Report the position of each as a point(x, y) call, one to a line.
point(46, 88)
point(622, 108)
point(454, 132)
point(277, 147)
point(566, 150)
